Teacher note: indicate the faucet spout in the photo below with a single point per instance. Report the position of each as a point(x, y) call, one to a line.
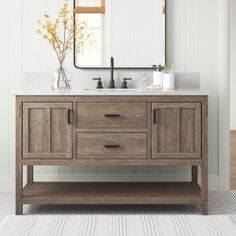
point(112, 82)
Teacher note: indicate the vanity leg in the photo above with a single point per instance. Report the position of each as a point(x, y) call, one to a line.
point(19, 156)
point(194, 174)
point(30, 174)
point(204, 164)
point(19, 209)
point(19, 189)
point(204, 187)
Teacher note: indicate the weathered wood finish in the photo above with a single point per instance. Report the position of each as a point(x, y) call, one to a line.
point(113, 162)
point(204, 165)
point(176, 130)
point(46, 132)
point(131, 145)
point(134, 99)
point(179, 138)
point(30, 174)
point(112, 193)
point(194, 174)
point(19, 152)
point(233, 160)
point(93, 115)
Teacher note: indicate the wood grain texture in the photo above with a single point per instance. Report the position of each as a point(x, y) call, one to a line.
point(149, 130)
point(35, 130)
point(165, 130)
point(233, 160)
point(204, 165)
point(96, 115)
point(74, 122)
point(130, 145)
point(112, 193)
point(19, 153)
point(194, 174)
point(180, 133)
point(190, 129)
point(30, 174)
point(112, 130)
point(176, 130)
point(46, 132)
point(135, 99)
point(113, 162)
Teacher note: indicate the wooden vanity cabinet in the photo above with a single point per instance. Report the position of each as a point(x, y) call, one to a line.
point(176, 130)
point(47, 130)
point(112, 131)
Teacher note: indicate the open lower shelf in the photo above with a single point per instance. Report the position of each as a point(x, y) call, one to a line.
point(111, 193)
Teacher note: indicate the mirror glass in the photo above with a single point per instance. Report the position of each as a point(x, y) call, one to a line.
point(131, 31)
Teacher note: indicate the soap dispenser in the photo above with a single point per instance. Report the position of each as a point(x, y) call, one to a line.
point(158, 77)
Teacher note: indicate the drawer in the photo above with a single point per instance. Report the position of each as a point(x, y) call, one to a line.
point(111, 145)
point(111, 115)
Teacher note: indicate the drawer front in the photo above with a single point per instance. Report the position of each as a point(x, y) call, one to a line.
point(111, 145)
point(111, 115)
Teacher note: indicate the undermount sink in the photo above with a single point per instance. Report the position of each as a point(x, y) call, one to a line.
point(112, 90)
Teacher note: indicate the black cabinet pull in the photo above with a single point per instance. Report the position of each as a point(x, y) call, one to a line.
point(70, 116)
point(154, 116)
point(111, 146)
point(112, 115)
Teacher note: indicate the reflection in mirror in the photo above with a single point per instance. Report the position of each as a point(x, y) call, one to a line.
point(131, 31)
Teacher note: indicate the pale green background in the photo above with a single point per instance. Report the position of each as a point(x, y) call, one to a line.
point(192, 44)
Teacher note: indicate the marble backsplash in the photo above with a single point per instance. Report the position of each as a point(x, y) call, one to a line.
point(83, 79)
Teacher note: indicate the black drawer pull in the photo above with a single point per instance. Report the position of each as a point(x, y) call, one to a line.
point(112, 115)
point(154, 116)
point(70, 116)
point(111, 146)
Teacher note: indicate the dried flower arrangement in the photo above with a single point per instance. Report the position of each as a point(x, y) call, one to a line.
point(61, 33)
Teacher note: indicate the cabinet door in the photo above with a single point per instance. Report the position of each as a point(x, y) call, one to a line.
point(176, 130)
point(47, 130)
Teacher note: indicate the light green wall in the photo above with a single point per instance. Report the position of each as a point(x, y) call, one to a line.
point(192, 33)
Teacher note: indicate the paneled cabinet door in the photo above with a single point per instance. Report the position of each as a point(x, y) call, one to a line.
point(47, 130)
point(176, 130)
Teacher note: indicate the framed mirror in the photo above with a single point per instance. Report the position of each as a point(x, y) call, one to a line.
point(131, 31)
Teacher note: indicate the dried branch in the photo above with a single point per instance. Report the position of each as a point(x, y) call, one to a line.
point(62, 44)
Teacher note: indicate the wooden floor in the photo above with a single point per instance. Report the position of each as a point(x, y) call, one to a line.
point(233, 160)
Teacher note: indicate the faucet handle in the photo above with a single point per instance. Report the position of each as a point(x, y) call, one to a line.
point(124, 83)
point(99, 83)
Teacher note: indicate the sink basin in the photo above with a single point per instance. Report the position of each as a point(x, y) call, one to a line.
point(113, 90)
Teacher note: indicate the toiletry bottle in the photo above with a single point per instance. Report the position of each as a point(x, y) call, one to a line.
point(169, 80)
point(158, 77)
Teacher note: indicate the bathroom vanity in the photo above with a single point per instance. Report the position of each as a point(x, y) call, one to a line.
point(135, 128)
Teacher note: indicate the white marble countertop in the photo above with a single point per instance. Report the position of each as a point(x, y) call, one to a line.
point(114, 92)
